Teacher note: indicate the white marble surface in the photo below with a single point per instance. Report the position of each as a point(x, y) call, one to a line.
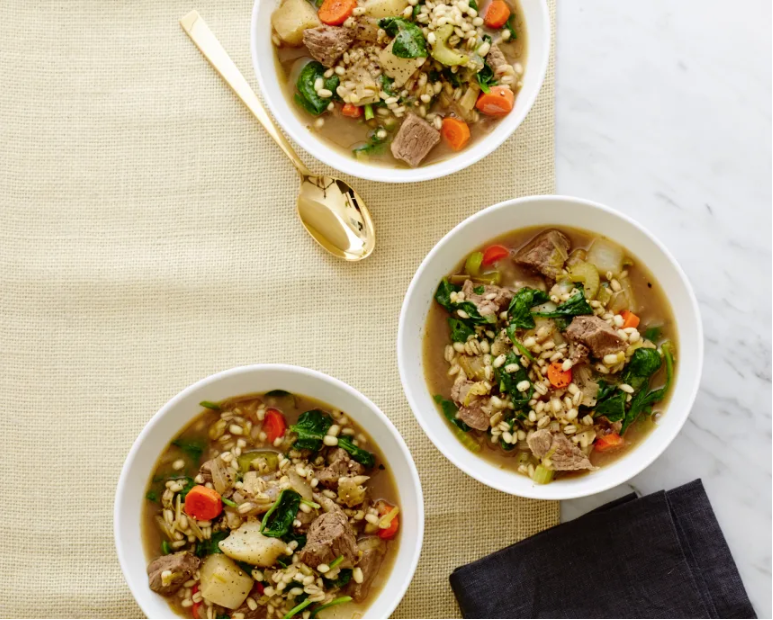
point(663, 111)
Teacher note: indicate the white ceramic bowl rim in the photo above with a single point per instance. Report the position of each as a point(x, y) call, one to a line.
point(535, 70)
point(137, 585)
point(468, 461)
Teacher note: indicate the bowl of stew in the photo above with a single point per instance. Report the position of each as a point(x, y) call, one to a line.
point(550, 347)
point(269, 491)
point(400, 90)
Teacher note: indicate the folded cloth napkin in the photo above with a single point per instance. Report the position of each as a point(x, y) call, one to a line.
point(659, 556)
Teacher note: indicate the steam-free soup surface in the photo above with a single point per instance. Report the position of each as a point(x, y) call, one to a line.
point(550, 351)
point(270, 503)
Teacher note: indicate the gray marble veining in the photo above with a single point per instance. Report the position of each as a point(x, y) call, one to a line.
point(664, 112)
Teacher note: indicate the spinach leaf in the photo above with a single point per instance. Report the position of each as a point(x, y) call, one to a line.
point(519, 310)
point(373, 146)
point(479, 290)
point(449, 409)
point(605, 390)
point(307, 96)
point(278, 521)
point(454, 78)
point(357, 453)
point(311, 429)
point(208, 547)
point(386, 83)
point(643, 400)
point(299, 538)
point(508, 382)
point(443, 297)
point(278, 393)
point(193, 448)
point(473, 5)
point(613, 407)
point(644, 363)
point(576, 305)
point(433, 76)
point(509, 26)
point(189, 484)
point(443, 294)
point(151, 496)
point(409, 40)
point(344, 577)
point(511, 329)
point(486, 78)
point(460, 331)
point(653, 333)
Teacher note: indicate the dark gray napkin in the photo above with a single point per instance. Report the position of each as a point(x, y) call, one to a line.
point(659, 556)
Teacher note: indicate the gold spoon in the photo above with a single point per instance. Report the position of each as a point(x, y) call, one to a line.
point(330, 211)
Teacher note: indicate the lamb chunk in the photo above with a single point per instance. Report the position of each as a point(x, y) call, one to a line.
point(340, 465)
point(414, 140)
point(471, 414)
point(330, 536)
point(181, 565)
point(495, 58)
point(500, 300)
point(546, 253)
point(579, 354)
point(327, 43)
point(596, 334)
point(564, 455)
point(373, 552)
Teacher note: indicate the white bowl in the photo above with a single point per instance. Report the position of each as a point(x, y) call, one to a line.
point(537, 18)
point(550, 211)
point(173, 416)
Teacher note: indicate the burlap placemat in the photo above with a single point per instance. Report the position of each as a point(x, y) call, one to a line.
point(148, 238)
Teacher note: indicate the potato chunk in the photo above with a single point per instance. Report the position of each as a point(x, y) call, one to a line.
point(247, 544)
point(223, 582)
point(385, 8)
point(292, 18)
point(399, 69)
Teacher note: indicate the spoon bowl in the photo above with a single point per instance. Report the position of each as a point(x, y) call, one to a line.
point(336, 218)
point(330, 211)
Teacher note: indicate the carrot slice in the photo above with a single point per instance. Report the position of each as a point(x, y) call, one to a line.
point(274, 425)
point(336, 12)
point(499, 101)
point(493, 254)
point(607, 442)
point(203, 503)
point(455, 132)
point(351, 110)
point(558, 377)
point(630, 319)
point(497, 14)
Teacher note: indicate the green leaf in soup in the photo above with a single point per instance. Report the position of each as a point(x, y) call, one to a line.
point(644, 363)
point(643, 400)
point(344, 577)
point(211, 546)
point(386, 83)
point(576, 305)
point(278, 521)
point(509, 26)
point(408, 38)
point(653, 333)
point(486, 78)
point(311, 428)
point(307, 96)
point(193, 448)
point(519, 310)
point(613, 407)
point(460, 331)
point(443, 294)
point(508, 382)
point(358, 454)
point(449, 410)
point(605, 390)
point(151, 496)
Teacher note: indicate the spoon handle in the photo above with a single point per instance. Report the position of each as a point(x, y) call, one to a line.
point(196, 28)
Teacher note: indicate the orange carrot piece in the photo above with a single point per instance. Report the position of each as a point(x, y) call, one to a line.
point(455, 132)
point(494, 253)
point(274, 425)
point(203, 503)
point(558, 377)
point(607, 442)
point(630, 319)
point(497, 14)
point(336, 12)
point(351, 110)
point(389, 532)
point(498, 102)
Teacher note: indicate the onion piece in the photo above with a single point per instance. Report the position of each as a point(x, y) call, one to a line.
point(300, 485)
point(606, 256)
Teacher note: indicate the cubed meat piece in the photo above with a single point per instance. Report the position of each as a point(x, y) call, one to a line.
point(414, 140)
point(596, 334)
point(564, 455)
point(546, 253)
point(330, 536)
point(373, 551)
point(167, 573)
point(327, 43)
point(578, 354)
point(340, 465)
point(471, 413)
point(492, 301)
point(496, 58)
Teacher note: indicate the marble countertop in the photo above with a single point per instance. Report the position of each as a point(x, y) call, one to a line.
point(663, 112)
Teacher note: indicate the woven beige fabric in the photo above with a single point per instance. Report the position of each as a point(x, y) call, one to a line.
point(148, 238)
